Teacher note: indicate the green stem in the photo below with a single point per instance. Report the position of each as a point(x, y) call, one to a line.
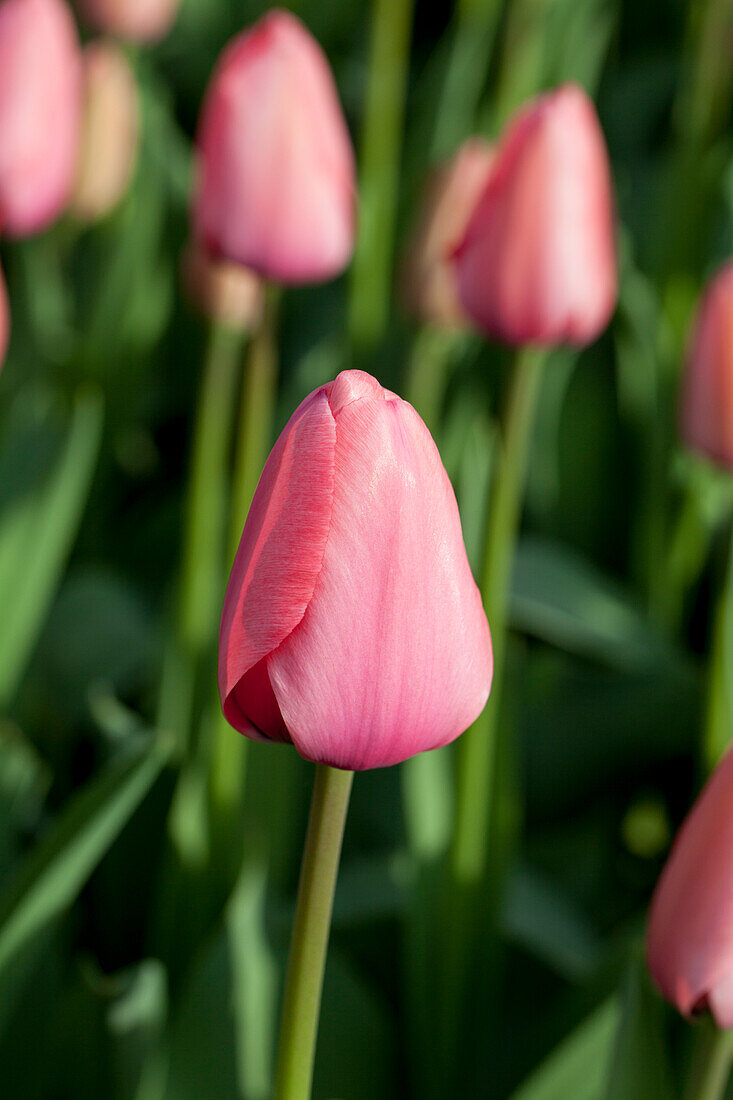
point(426, 378)
point(255, 418)
point(205, 530)
point(476, 749)
point(719, 717)
point(711, 1064)
point(477, 787)
point(299, 1025)
point(688, 544)
point(229, 753)
point(381, 145)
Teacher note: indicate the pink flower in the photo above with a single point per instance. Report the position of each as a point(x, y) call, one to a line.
point(40, 109)
point(137, 20)
point(430, 278)
point(537, 264)
point(352, 626)
point(690, 929)
point(110, 131)
point(276, 167)
point(4, 319)
point(707, 393)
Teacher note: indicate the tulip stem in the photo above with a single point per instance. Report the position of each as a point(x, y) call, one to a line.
point(319, 868)
point(477, 786)
point(205, 530)
point(381, 148)
point(256, 413)
point(253, 440)
point(711, 1065)
point(717, 730)
point(476, 749)
point(430, 358)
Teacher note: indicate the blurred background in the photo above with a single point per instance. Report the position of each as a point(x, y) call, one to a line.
point(142, 947)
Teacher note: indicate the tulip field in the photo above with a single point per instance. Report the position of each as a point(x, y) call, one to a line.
point(366, 550)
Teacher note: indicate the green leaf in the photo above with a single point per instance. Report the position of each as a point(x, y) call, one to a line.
point(559, 597)
point(24, 783)
point(537, 915)
point(577, 1068)
point(639, 1068)
point(39, 516)
point(255, 977)
point(64, 859)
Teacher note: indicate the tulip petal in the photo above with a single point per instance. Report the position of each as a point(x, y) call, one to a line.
point(277, 564)
point(690, 931)
point(393, 655)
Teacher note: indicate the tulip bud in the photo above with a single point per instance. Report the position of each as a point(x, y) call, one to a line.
point(352, 626)
point(40, 109)
point(4, 319)
point(136, 20)
point(109, 132)
point(537, 264)
point(276, 168)
point(690, 931)
point(429, 278)
point(707, 392)
point(224, 292)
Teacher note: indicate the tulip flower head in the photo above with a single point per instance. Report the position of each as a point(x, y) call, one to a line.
point(537, 264)
point(690, 928)
point(352, 626)
point(429, 277)
point(707, 394)
point(110, 131)
point(135, 20)
point(275, 185)
point(40, 112)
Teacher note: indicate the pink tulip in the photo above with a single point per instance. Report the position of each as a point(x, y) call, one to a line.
point(537, 264)
point(40, 110)
point(430, 278)
point(276, 173)
point(690, 929)
point(352, 626)
point(137, 20)
point(707, 395)
point(110, 131)
point(4, 319)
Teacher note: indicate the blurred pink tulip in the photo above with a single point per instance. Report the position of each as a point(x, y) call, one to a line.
point(276, 167)
point(137, 20)
point(429, 281)
point(40, 111)
point(4, 319)
point(690, 929)
point(537, 264)
point(707, 392)
point(109, 133)
point(352, 626)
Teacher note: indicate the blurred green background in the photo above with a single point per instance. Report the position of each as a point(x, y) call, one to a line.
point(142, 946)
